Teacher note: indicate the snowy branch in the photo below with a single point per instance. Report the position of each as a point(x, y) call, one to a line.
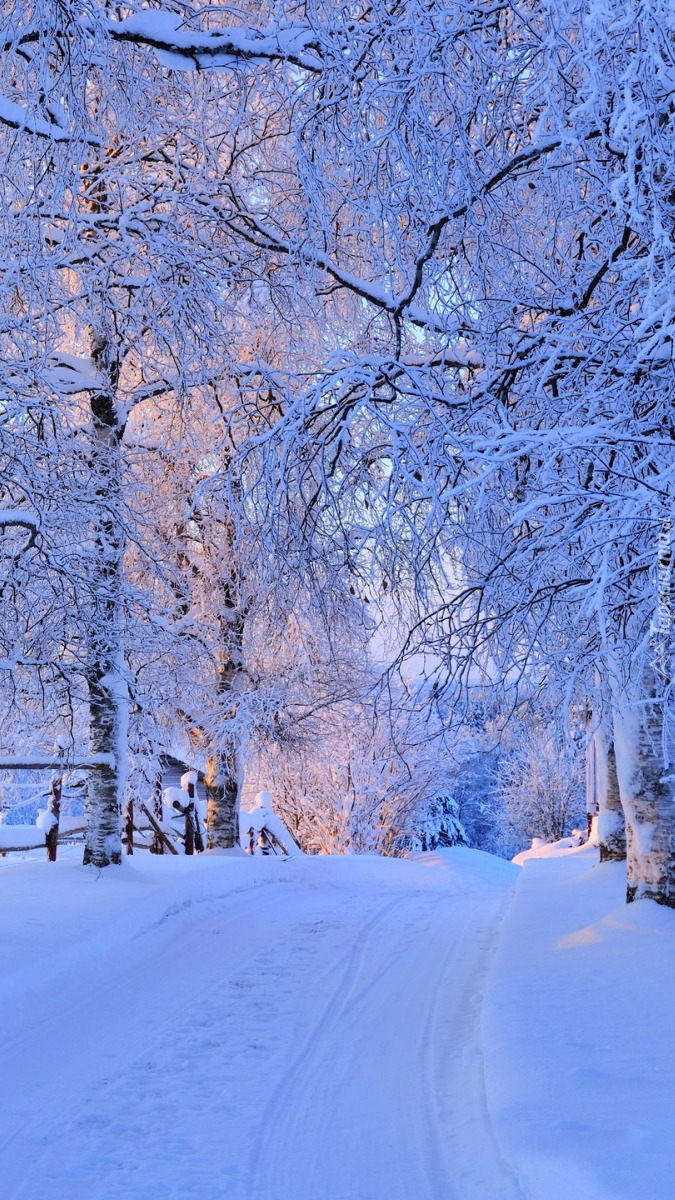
point(95, 762)
point(16, 117)
point(225, 48)
point(17, 516)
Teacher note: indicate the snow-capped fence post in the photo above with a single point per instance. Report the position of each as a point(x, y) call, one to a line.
point(199, 837)
point(129, 825)
point(189, 828)
point(193, 835)
point(194, 807)
point(54, 807)
point(157, 846)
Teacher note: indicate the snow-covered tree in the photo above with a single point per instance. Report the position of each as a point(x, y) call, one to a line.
point(374, 777)
point(505, 419)
point(461, 221)
point(440, 826)
point(539, 791)
point(113, 279)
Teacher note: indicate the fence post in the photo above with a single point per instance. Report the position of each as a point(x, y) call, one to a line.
point(54, 807)
point(129, 825)
point(193, 804)
point(157, 846)
point(189, 822)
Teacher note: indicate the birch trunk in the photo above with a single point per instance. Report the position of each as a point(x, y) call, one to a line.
point(103, 843)
point(646, 783)
point(221, 784)
point(108, 700)
point(611, 827)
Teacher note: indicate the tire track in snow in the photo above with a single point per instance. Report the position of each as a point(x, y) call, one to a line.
point(335, 1005)
point(409, 1148)
point(457, 1070)
point(363, 1111)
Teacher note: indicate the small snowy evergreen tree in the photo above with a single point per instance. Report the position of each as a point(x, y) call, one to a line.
point(441, 825)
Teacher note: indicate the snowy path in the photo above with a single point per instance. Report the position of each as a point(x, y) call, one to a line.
point(316, 1038)
point(376, 1095)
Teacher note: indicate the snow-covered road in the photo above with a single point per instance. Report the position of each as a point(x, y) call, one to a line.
point(238, 1030)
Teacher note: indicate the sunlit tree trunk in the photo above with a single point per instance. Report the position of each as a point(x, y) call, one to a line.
point(221, 784)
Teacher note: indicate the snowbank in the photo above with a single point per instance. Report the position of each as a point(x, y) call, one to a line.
point(542, 849)
point(473, 867)
point(580, 1044)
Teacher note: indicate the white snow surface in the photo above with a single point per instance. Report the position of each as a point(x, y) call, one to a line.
point(579, 1040)
point(21, 837)
point(357, 1028)
point(240, 1029)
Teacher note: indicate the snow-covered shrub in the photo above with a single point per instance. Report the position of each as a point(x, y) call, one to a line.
point(369, 783)
point(539, 791)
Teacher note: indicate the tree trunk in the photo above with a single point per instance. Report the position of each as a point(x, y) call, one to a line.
point(108, 697)
point(647, 788)
point(103, 843)
point(129, 826)
point(157, 846)
point(591, 774)
point(221, 784)
point(611, 821)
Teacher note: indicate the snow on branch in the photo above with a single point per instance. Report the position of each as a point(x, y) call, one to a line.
point(182, 49)
point(254, 231)
point(71, 374)
point(26, 762)
point(19, 118)
point(18, 516)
